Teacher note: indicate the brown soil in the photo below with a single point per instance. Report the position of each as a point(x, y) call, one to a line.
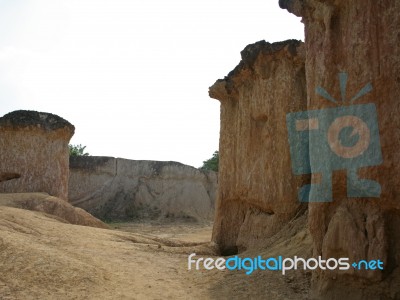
point(44, 258)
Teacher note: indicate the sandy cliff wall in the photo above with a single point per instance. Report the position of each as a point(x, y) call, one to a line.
point(353, 49)
point(34, 153)
point(257, 192)
point(117, 189)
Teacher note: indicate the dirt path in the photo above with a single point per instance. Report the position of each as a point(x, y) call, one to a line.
point(43, 258)
point(186, 232)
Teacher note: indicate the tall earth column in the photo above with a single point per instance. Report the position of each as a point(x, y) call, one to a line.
point(353, 80)
point(257, 193)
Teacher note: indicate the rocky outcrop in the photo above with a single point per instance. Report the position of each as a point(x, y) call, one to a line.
point(360, 41)
point(34, 153)
point(120, 189)
point(257, 192)
point(60, 209)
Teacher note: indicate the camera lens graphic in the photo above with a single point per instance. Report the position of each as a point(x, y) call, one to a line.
point(358, 129)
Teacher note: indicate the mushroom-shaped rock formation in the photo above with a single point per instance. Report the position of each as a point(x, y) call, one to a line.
point(34, 155)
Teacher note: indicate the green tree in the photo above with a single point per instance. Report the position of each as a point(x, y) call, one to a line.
point(212, 163)
point(77, 150)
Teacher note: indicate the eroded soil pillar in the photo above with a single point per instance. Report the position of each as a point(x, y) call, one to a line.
point(353, 67)
point(257, 192)
point(34, 154)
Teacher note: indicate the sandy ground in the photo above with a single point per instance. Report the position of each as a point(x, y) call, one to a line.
point(186, 232)
point(43, 258)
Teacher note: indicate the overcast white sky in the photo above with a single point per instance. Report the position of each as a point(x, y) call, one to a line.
point(132, 76)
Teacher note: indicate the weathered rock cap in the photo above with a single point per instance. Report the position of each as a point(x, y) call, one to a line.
point(295, 7)
point(223, 88)
point(28, 118)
